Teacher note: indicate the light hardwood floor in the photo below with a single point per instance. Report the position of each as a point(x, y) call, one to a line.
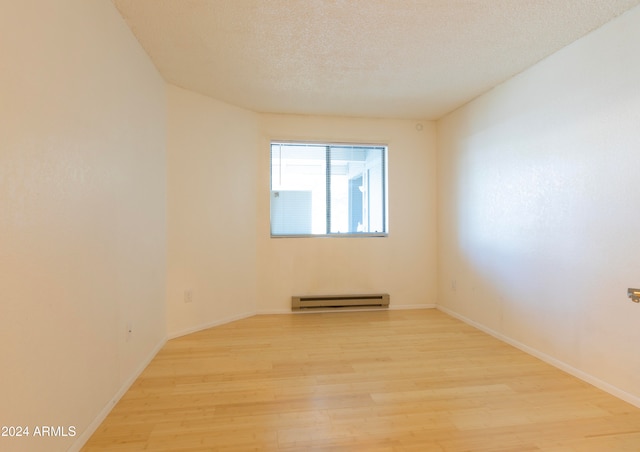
point(360, 381)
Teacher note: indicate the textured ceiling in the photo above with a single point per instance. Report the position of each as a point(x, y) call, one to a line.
point(417, 59)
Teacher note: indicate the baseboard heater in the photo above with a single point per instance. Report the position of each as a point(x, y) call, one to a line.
point(309, 302)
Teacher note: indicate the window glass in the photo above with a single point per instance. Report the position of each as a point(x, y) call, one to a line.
point(328, 189)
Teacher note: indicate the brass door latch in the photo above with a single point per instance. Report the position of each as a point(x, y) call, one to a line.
point(634, 294)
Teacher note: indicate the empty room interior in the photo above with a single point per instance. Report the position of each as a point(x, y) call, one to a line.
point(146, 294)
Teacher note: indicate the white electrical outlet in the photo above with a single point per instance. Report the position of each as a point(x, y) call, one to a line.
point(188, 296)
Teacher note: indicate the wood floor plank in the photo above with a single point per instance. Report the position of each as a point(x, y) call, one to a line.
point(359, 381)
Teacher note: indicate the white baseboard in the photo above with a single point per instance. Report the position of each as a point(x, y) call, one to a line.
point(205, 326)
point(392, 307)
point(600, 384)
point(396, 307)
point(273, 311)
point(93, 426)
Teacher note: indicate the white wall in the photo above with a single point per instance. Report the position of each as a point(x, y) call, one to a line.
point(402, 264)
point(82, 222)
point(539, 208)
point(212, 211)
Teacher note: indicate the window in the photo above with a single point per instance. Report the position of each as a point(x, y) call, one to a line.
point(328, 190)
